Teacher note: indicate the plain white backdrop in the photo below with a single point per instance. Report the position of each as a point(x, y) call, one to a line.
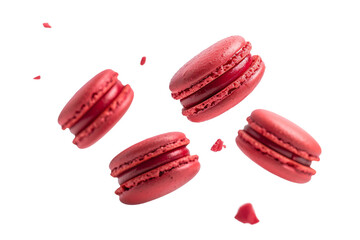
point(50, 189)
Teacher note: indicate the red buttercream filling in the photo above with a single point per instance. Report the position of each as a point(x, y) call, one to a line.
point(97, 108)
point(218, 84)
point(277, 148)
point(153, 163)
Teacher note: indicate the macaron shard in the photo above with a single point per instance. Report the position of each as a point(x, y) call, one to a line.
point(96, 108)
point(279, 146)
point(218, 146)
point(153, 168)
point(246, 214)
point(217, 79)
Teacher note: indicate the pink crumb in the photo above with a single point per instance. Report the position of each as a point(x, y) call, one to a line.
point(37, 77)
point(218, 145)
point(246, 214)
point(143, 60)
point(46, 25)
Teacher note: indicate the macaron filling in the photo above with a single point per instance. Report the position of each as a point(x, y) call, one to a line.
point(218, 84)
point(275, 147)
point(97, 108)
point(153, 163)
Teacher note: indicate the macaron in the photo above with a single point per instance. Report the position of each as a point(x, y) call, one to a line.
point(217, 79)
point(279, 146)
point(96, 108)
point(153, 168)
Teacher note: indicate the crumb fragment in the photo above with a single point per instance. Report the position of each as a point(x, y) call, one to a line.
point(46, 25)
point(218, 146)
point(246, 214)
point(37, 77)
point(143, 60)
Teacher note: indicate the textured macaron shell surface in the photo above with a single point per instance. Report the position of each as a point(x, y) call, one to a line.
point(287, 131)
point(205, 62)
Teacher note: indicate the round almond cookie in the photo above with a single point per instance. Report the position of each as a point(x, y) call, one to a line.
point(96, 108)
point(153, 168)
point(279, 146)
point(217, 79)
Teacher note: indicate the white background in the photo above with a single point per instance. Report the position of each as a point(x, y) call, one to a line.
point(50, 189)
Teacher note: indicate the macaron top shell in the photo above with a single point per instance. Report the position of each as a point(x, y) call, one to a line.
point(290, 135)
point(146, 149)
point(86, 97)
point(205, 62)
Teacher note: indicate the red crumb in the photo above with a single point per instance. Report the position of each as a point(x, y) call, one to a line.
point(143, 60)
point(218, 145)
point(246, 214)
point(46, 25)
point(37, 77)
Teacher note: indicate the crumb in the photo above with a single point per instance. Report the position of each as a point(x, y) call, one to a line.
point(143, 60)
point(246, 214)
point(37, 77)
point(46, 25)
point(218, 145)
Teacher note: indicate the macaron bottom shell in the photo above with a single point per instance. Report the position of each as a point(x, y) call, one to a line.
point(159, 182)
point(273, 161)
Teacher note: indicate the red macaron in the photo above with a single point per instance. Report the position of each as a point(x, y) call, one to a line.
point(217, 79)
point(96, 108)
point(153, 168)
point(279, 146)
